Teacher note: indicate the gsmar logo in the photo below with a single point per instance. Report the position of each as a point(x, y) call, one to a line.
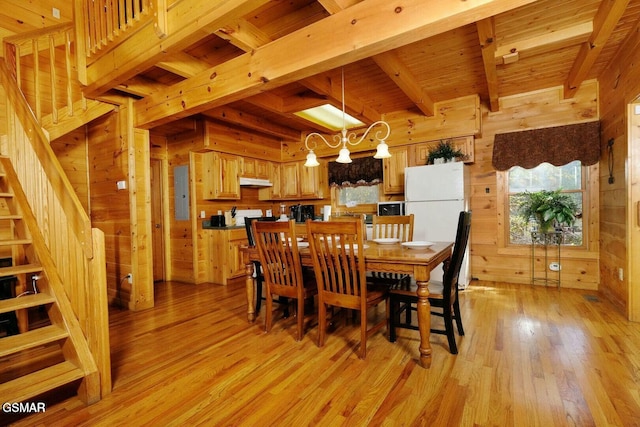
point(24, 407)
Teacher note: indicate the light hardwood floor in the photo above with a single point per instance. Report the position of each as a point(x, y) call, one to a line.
point(532, 356)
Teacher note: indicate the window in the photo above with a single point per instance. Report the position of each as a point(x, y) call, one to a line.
point(568, 178)
point(360, 195)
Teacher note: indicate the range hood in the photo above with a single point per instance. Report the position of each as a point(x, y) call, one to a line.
point(255, 182)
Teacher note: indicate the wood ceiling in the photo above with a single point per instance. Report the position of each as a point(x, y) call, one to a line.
point(525, 46)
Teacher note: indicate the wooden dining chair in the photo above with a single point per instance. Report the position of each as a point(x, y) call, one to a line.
point(278, 251)
point(393, 227)
point(257, 268)
point(442, 295)
point(338, 261)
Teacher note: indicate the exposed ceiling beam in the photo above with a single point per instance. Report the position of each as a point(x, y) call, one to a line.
point(377, 25)
point(605, 22)
point(183, 64)
point(394, 68)
point(187, 22)
point(243, 35)
point(335, 6)
point(406, 81)
point(324, 85)
point(487, 37)
point(552, 40)
point(230, 115)
point(140, 86)
point(275, 104)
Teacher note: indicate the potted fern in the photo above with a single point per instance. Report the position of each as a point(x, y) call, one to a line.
point(551, 209)
point(444, 152)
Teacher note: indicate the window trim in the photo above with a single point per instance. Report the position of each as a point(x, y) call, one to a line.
point(590, 216)
point(363, 208)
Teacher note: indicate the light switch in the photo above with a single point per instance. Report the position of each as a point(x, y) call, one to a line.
point(122, 185)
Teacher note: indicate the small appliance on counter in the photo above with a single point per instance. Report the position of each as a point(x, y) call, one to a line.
point(301, 213)
point(218, 221)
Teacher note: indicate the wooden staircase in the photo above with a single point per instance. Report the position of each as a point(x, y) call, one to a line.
point(52, 352)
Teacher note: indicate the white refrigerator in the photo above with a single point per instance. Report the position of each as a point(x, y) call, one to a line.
point(435, 195)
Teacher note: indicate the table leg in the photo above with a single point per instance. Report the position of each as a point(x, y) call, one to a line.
point(251, 292)
point(424, 323)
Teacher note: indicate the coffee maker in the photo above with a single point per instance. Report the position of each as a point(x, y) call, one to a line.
point(302, 212)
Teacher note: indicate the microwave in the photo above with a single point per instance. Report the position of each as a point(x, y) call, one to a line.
point(390, 208)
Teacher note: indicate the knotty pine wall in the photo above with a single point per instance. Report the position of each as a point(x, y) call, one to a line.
point(71, 151)
point(490, 258)
point(109, 207)
point(619, 216)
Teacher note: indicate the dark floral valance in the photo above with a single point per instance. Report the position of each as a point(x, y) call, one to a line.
point(362, 171)
point(556, 145)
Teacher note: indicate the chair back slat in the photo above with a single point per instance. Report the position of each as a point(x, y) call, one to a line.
point(340, 272)
point(393, 227)
point(278, 251)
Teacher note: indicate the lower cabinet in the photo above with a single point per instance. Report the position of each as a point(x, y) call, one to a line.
point(225, 258)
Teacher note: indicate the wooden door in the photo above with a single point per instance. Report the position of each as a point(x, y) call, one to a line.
point(157, 217)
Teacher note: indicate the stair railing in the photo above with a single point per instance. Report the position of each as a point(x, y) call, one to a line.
point(78, 251)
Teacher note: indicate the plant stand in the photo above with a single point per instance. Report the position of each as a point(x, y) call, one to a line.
point(548, 242)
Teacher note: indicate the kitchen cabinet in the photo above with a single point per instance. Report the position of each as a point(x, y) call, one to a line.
point(255, 168)
point(275, 191)
point(421, 151)
point(310, 182)
point(393, 170)
point(221, 176)
point(290, 180)
point(294, 181)
point(225, 257)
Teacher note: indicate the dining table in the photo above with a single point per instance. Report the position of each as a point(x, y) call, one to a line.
point(385, 258)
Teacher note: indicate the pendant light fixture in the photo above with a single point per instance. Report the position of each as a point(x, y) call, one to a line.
point(345, 138)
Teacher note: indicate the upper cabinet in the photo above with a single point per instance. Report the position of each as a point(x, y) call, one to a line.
point(293, 181)
point(255, 168)
point(221, 176)
point(393, 170)
point(421, 151)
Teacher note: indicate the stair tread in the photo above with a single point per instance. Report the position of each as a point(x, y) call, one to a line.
point(20, 269)
point(15, 242)
point(26, 301)
point(31, 339)
point(38, 382)
point(10, 216)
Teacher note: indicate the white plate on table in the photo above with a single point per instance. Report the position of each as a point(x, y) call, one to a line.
point(386, 241)
point(419, 244)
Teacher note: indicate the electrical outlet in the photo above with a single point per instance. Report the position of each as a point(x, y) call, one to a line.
point(56, 13)
point(620, 274)
point(130, 278)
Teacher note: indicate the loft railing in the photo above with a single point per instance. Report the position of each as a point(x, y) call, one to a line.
point(42, 63)
point(105, 21)
point(78, 250)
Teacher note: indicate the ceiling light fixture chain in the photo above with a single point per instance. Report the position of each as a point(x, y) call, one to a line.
point(344, 156)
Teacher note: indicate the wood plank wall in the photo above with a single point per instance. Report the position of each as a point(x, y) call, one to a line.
point(109, 208)
point(71, 151)
point(619, 229)
point(490, 260)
